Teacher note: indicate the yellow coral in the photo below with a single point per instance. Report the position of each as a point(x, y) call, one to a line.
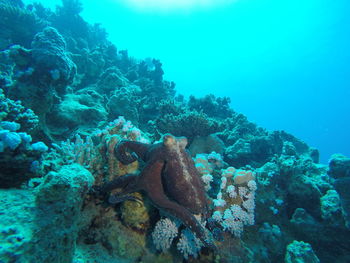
point(135, 214)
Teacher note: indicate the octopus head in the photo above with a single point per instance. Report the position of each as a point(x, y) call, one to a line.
point(172, 142)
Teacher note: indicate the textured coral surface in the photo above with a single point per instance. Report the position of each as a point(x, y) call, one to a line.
point(64, 88)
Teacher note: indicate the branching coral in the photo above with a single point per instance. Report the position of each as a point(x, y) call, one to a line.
point(96, 152)
point(19, 159)
point(234, 203)
point(11, 110)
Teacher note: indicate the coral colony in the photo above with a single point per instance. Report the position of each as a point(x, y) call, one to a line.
point(77, 179)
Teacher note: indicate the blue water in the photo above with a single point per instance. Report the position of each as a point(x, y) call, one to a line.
point(284, 63)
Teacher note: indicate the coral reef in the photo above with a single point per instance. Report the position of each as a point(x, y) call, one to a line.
point(76, 111)
point(207, 144)
point(212, 106)
point(189, 124)
point(63, 85)
point(125, 102)
point(50, 58)
point(19, 160)
point(14, 111)
point(339, 169)
point(18, 24)
point(59, 199)
point(40, 224)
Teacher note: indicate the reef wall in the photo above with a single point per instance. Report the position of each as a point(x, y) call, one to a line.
point(64, 87)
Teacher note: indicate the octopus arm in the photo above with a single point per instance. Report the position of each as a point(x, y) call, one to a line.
point(129, 151)
point(152, 184)
point(128, 183)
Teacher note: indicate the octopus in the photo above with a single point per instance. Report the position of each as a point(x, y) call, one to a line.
point(169, 179)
